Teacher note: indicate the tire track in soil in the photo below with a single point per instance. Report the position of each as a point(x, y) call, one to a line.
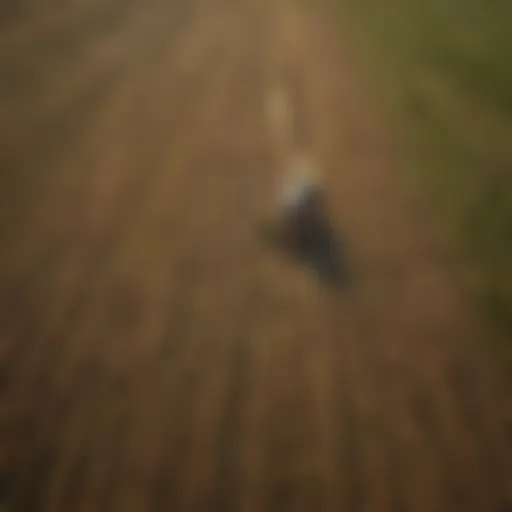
point(322, 474)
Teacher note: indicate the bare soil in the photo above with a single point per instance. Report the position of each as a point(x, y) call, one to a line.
point(156, 352)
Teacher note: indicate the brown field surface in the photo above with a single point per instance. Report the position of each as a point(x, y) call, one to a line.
point(156, 352)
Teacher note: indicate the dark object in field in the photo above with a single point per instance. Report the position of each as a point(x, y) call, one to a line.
point(303, 230)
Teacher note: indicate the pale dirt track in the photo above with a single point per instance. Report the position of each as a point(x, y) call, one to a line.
point(157, 353)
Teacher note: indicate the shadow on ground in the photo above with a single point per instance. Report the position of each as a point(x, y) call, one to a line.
point(320, 249)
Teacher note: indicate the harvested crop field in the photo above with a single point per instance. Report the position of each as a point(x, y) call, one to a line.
point(157, 353)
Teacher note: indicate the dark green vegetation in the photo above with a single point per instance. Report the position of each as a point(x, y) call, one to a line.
point(444, 68)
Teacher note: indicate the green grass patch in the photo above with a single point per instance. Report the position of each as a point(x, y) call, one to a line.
point(443, 69)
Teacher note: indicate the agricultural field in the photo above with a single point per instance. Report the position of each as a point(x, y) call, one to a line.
point(444, 71)
point(156, 352)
